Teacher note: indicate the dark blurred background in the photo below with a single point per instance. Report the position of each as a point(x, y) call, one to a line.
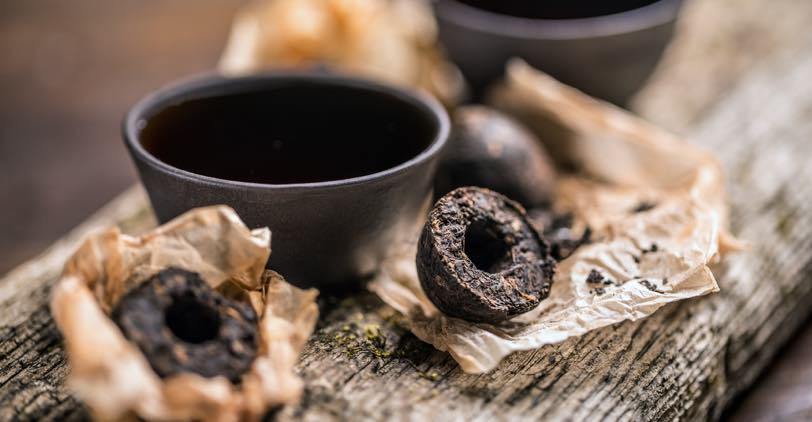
point(69, 70)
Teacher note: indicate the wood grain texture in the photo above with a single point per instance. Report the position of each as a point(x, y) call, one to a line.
point(718, 43)
point(783, 394)
point(685, 362)
point(32, 360)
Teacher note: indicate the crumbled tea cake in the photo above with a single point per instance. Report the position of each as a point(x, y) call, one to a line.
point(181, 325)
point(479, 259)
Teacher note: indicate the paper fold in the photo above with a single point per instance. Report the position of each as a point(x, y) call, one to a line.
point(645, 259)
point(112, 376)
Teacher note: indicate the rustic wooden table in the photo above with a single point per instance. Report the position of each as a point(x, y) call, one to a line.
point(735, 81)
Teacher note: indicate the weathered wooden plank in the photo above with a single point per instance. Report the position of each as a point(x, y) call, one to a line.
point(718, 43)
point(782, 394)
point(686, 361)
point(32, 361)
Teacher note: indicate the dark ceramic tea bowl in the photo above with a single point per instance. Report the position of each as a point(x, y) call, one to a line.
point(607, 55)
point(338, 168)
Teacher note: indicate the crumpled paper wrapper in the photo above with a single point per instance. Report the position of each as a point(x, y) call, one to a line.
point(647, 258)
point(390, 40)
point(112, 376)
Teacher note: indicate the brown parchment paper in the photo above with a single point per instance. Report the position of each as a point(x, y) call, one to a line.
point(112, 376)
point(390, 40)
point(650, 258)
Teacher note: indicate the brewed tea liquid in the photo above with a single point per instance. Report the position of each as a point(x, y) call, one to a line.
point(291, 134)
point(557, 9)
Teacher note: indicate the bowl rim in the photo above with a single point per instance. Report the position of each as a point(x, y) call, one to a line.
point(214, 83)
point(654, 14)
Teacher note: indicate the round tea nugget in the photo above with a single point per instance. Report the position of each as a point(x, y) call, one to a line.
point(491, 150)
point(479, 259)
point(181, 325)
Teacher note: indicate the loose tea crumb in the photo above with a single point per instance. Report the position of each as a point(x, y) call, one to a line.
point(181, 325)
point(353, 340)
point(431, 376)
point(649, 285)
point(563, 245)
point(491, 150)
point(557, 229)
point(594, 277)
point(651, 249)
point(479, 259)
point(643, 207)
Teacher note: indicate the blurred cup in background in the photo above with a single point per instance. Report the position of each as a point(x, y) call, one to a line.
point(605, 48)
